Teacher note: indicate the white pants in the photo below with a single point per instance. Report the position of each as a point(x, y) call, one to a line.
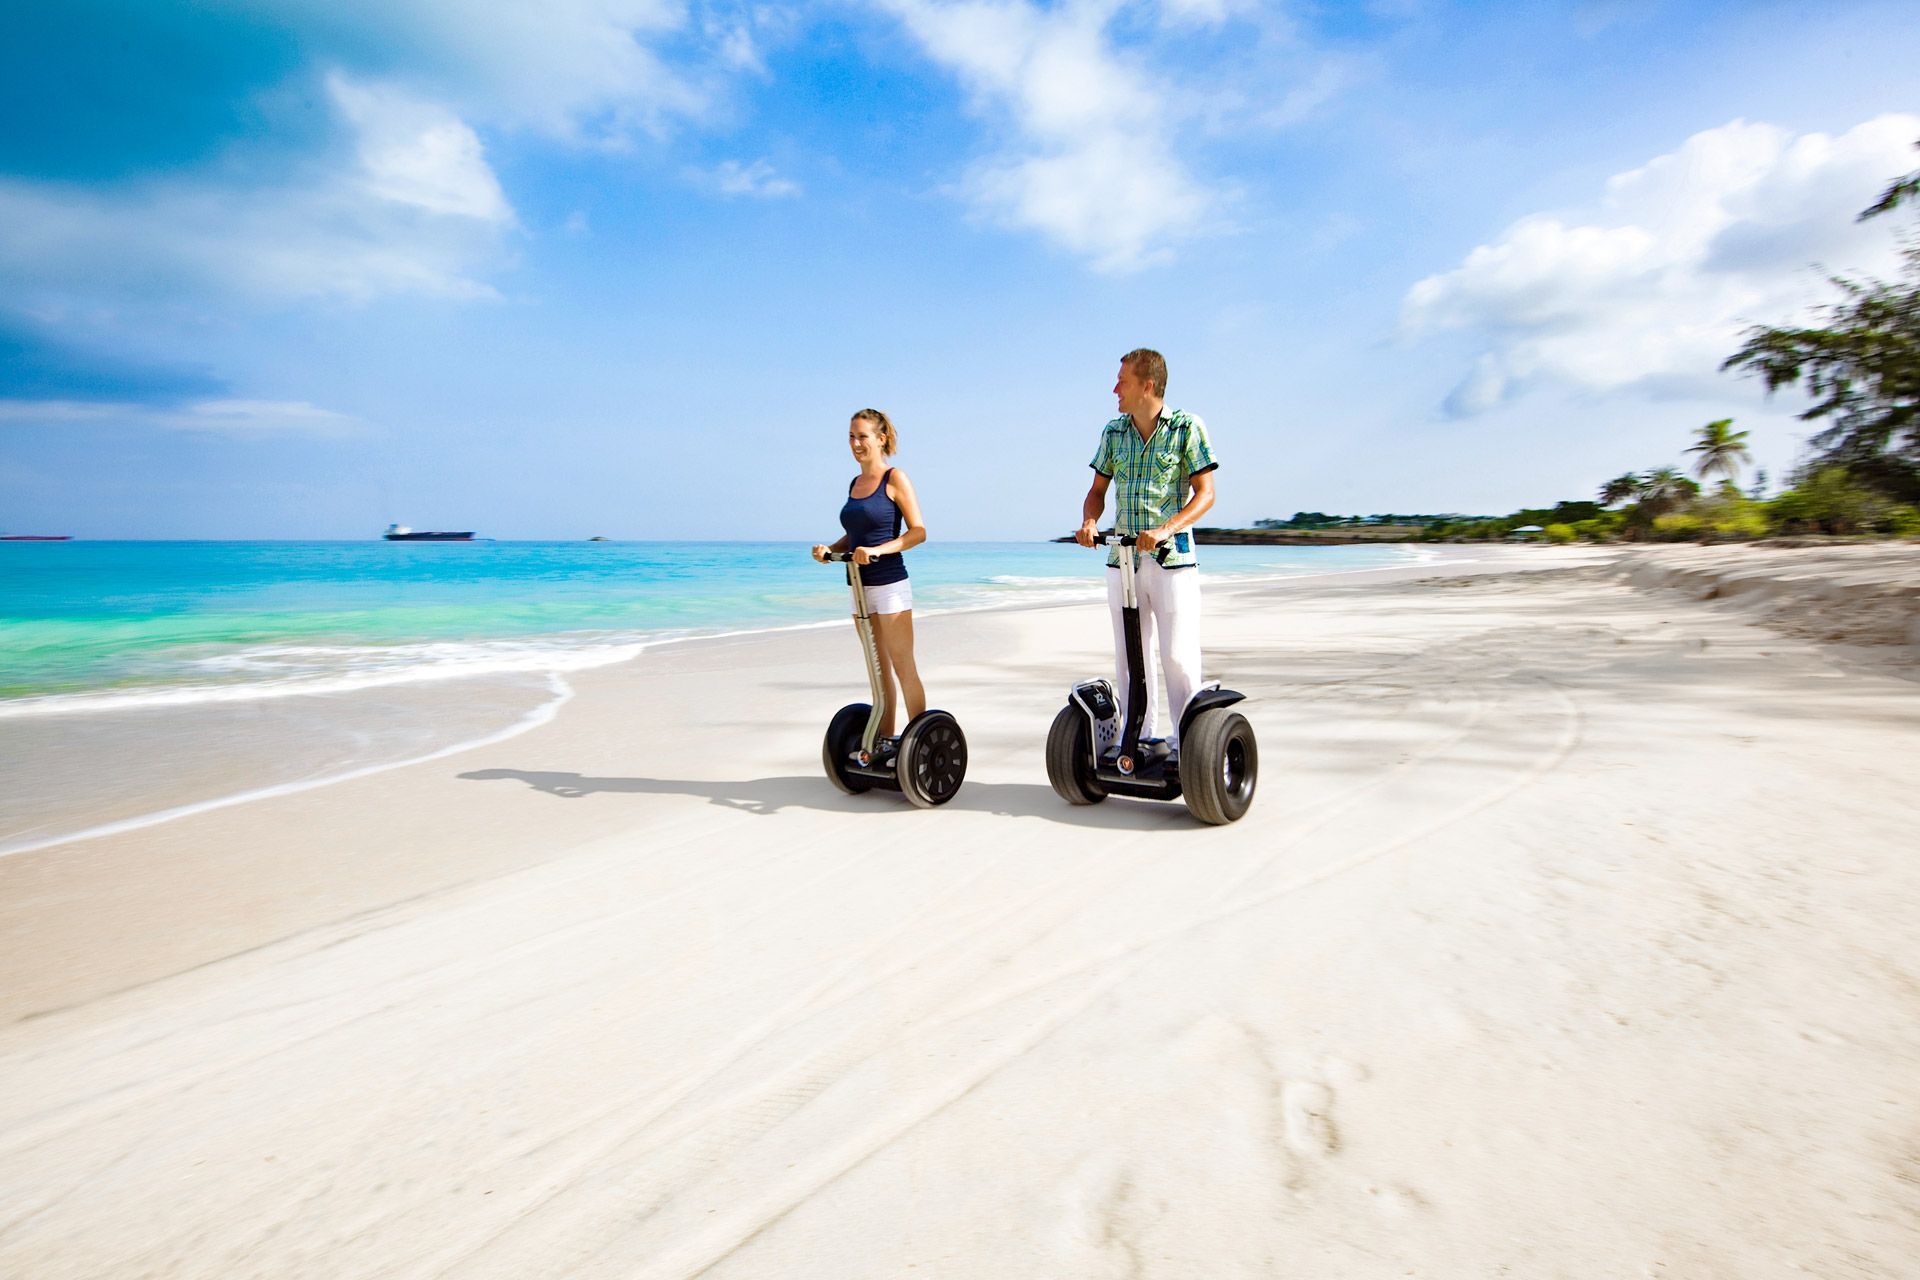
point(1169, 601)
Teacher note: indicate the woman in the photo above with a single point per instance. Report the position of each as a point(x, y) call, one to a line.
point(879, 501)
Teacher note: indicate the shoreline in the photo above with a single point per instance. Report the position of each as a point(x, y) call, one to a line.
point(585, 657)
point(544, 652)
point(1712, 575)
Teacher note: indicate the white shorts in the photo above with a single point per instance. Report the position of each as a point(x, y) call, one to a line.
point(891, 597)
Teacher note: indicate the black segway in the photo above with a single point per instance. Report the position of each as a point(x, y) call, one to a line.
point(1091, 754)
point(932, 760)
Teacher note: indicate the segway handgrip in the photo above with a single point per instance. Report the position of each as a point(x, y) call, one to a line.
point(1132, 539)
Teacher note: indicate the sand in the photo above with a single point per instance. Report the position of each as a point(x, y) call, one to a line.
point(1571, 934)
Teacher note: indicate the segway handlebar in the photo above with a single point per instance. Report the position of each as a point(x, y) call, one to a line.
point(1128, 539)
point(846, 557)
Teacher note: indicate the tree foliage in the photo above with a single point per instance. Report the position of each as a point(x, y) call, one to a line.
point(1619, 489)
point(1831, 500)
point(1898, 193)
point(1721, 449)
point(1663, 490)
point(1861, 364)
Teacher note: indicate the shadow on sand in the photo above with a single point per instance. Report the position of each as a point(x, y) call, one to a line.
point(771, 795)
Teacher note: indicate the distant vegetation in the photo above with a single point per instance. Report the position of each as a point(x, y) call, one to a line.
point(1661, 505)
point(1321, 520)
point(1861, 363)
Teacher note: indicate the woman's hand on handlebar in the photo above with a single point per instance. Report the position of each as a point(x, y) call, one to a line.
point(863, 555)
point(821, 551)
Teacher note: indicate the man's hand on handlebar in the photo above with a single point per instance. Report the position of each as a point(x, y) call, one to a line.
point(1088, 534)
point(1148, 539)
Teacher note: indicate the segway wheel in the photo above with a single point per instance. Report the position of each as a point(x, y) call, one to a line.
point(842, 740)
point(1219, 765)
point(1070, 758)
point(933, 759)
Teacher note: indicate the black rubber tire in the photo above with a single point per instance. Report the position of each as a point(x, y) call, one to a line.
point(1070, 758)
point(1219, 765)
point(933, 759)
point(843, 738)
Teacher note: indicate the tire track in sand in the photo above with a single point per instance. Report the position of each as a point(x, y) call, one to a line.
point(1109, 968)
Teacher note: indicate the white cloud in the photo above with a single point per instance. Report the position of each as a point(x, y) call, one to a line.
point(1205, 13)
point(731, 178)
point(414, 209)
point(584, 70)
point(1323, 84)
point(419, 153)
point(217, 417)
point(590, 72)
point(1654, 285)
point(1090, 161)
point(736, 37)
point(412, 205)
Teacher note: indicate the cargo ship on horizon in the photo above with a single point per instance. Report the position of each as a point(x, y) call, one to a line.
point(400, 533)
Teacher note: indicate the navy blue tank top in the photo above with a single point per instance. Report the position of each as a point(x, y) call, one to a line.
point(870, 521)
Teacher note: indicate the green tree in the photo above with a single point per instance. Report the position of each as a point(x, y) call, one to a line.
point(1861, 365)
point(1663, 490)
point(1832, 501)
point(1897, 193)
point(1619, 489)
point(1721, 449)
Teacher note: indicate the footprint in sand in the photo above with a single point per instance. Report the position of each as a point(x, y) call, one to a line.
point(1098, 1218)
point(1397, 1201)
point(1306, 1117)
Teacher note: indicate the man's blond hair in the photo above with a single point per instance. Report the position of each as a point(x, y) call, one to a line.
point(1149, 366)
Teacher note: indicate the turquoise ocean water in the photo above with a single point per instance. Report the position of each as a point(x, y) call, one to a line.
point(116, 624)
point(145, 681)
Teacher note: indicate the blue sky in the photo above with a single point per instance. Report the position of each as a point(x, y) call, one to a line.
point(298, 269)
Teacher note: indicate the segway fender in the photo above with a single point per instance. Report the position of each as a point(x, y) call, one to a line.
point(1101, 705)
point(1097, 699)
point(1205, 699)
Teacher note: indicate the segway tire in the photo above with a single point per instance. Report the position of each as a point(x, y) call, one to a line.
point(933, 759)
point(1070, 758)
point(1219, 765)
point(842, 740)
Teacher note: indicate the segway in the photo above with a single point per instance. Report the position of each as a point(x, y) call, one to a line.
point(1091, 754)
point(932, 760)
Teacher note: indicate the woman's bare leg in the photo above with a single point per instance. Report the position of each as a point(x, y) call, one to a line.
point(887, 682)
point(894, 631)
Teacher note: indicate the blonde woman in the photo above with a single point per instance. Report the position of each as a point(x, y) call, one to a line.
point(882, 520)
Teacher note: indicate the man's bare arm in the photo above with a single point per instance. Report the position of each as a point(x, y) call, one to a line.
point(1091, 509)
point(1198, 504)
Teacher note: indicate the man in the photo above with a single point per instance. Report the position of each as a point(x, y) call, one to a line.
point(1165, 465)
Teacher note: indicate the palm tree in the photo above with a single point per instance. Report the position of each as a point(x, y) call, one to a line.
point(1662, 490)
point(1721, 449)
point(1619, 489)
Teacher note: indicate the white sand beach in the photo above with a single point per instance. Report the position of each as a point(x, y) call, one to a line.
point(1571, 934)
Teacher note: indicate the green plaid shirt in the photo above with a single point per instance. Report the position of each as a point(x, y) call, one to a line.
point(1151, 476)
